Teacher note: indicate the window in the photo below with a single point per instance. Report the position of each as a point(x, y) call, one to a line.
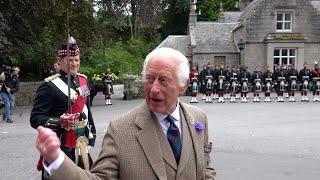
point(284, 22)
point(284, 56)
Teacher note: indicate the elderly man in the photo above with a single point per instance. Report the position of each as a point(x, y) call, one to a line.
point(162, 138)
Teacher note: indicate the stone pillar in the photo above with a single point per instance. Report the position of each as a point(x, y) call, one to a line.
point(128, 87)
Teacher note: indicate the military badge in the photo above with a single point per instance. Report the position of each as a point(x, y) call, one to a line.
point(83, 91)
point(208, 148)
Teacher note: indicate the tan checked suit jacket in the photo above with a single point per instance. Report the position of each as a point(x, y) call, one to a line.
point(135, 148)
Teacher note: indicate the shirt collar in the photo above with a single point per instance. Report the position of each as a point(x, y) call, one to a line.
point(175, 114)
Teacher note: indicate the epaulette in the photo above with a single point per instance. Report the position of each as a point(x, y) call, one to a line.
point(82, 75)
point(51, 78)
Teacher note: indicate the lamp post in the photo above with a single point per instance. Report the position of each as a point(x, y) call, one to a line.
point(241, 45)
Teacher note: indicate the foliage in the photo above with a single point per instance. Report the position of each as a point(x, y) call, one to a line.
point(210, 8)
point(175, 21)
point(122, 58)
point(118, 34)
point(131, 90)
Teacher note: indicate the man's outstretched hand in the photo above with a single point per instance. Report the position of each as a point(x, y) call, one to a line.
point(48, 144)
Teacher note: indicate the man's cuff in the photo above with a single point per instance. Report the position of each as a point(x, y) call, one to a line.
point(55, 164)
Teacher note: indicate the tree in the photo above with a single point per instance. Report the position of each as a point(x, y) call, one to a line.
point(210, 8)
point(175, 17)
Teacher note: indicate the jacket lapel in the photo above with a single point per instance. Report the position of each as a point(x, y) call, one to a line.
point(186, 144)
point(196, 139)
point(149, 142)
point(165, 147)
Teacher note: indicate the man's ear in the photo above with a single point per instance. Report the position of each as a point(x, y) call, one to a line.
point(184, 88)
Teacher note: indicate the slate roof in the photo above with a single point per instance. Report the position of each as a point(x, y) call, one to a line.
point(178, 42)
point(248, 10)
point(229, 16)
point(214, 37)
point(316, 4)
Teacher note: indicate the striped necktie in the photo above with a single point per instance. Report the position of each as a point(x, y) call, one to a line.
point(174, 139)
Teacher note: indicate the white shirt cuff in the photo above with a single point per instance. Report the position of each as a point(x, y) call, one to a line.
point(55, 164)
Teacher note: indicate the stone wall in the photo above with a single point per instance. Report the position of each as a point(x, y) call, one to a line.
point(26, 93)
point(201, 59)
point(262, 19)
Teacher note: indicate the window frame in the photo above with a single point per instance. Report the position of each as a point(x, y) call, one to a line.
point(283, 21)
point(281, 57)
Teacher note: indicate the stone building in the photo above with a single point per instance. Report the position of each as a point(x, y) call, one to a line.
point(263, 32)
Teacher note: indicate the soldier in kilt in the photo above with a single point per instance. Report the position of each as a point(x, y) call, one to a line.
point(234, 83)
point(304, 78)
point(209, 80)
point(194, 81)
point(256, 83)
point(292, 77)
point(203, 82)
point(281, 83)
point(268, 84)
point(108, 81)
point(244, 81)
point(221, 76)
point(316, 83)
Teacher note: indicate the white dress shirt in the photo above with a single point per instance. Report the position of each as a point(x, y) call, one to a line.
point(165, 124)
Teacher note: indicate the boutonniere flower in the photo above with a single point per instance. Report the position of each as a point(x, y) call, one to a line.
point(199, 126)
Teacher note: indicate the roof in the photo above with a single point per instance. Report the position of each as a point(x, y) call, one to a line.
point(316, 4)
point(248, 10)
point(178, 42)
point(215, 37)
point(229, 16)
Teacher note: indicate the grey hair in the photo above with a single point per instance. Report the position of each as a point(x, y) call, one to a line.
point(183, 68)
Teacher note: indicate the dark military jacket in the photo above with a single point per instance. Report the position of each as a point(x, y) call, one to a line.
point(268, 74)
point(304, 72)
point(256, 75)
point(245, 74)
point(280, 73)
point(51, 102)
point(292, 72)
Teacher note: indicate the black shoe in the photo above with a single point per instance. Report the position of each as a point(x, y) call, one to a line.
point(9, 121)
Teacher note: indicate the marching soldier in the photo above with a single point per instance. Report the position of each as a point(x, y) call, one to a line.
point(268, 79)
point(292, 78)
point(108, 81)
point(74, 126)
point(304, 77)
point(281, 81)
point(209, 79)
point(256, 82)
point(316, 83)
point(234, 79)
point(221, 76)
point(203, 81)
point(244, 83)
point(194, 79)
